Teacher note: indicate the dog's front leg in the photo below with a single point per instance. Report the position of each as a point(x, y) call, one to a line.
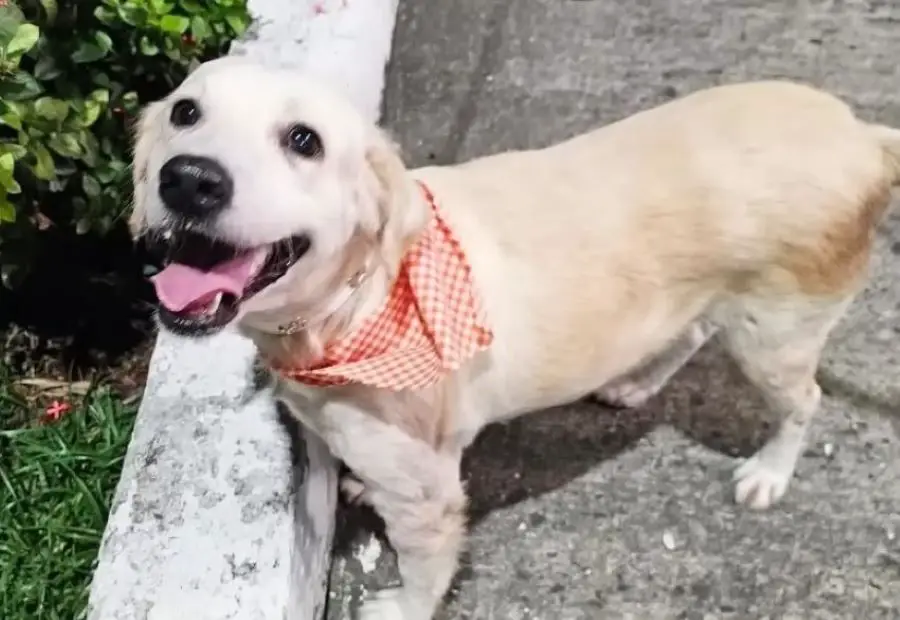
point(418, 492)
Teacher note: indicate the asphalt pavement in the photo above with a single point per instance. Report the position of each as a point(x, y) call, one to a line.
point(582, 512)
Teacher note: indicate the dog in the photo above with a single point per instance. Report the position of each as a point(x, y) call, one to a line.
point(403, 310)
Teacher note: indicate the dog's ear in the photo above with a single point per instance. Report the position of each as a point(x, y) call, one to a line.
point(401, 213)
point(146, 133)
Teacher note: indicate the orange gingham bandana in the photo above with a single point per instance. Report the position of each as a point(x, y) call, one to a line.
point(432, 322)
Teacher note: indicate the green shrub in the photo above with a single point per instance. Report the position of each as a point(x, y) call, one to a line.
point(73, 75)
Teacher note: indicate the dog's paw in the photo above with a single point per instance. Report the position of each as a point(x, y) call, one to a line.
point(384, 605)
point(626, 394)
point(759, 484)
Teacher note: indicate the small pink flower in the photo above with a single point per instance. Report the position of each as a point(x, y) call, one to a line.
point(57, 409)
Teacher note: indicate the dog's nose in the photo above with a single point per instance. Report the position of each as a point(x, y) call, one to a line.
point(195, 187)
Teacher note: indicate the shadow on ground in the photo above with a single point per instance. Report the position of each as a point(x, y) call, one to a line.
point(540, 453)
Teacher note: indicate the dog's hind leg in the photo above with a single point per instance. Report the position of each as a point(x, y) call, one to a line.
point(639, 385)
point(777, 344)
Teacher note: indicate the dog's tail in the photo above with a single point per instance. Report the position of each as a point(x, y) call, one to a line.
point(889, 139)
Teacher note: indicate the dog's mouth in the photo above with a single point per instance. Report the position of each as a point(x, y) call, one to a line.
point(204, 281)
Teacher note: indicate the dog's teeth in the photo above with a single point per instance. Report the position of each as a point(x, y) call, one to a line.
point(214, 305)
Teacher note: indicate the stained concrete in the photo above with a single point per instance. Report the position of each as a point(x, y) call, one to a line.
point(223, 509)
point(586, 513)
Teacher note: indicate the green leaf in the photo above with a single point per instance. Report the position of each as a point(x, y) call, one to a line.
point(100, 95)
point(105, 174)
point(91, 186)
point(191, 6)
point(51, 109)
point(115, 171)
point(91, 113)
point(91, 147)
point(130, 100)
point(115, 90)
point(19, 86)
point(83, 226)
point(132, 14)
point(174, 24)
point(13, 115)
point(94, 49)
point(103, 40)
point(87, 52)
point(65, 144)
point(101, 79)
point(7, 210)
point(7, 167)
point(51, 8)
point(10, 18)
point(45, 68)
point(25, 38)
point(238, 22)
point(105, 15)
point(44, 167)
point(175, 54)
point(200, 28)
point(11, 120)
point(162, 7)
point(93, 106)
point(16, 150)
point(148, 47)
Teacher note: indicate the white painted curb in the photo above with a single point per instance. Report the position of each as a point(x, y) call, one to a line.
point(220, 513)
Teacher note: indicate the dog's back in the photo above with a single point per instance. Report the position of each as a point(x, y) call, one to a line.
point(768, 189)
point(740, 176)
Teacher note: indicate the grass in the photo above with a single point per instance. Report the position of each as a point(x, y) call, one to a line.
point(56, 484)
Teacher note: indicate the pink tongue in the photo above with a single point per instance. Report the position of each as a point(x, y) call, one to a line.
point(180, 286)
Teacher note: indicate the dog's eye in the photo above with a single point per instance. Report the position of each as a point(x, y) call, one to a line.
point(185, 113)
point(304, 141)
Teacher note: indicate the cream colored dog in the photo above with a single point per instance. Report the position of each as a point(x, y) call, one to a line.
point(603, 262)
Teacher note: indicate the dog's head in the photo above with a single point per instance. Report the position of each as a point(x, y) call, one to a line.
point(254, 182)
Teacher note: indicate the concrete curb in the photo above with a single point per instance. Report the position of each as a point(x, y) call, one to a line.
point(225, 510)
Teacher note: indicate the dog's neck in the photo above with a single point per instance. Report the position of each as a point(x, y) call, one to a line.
point(355, 289)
